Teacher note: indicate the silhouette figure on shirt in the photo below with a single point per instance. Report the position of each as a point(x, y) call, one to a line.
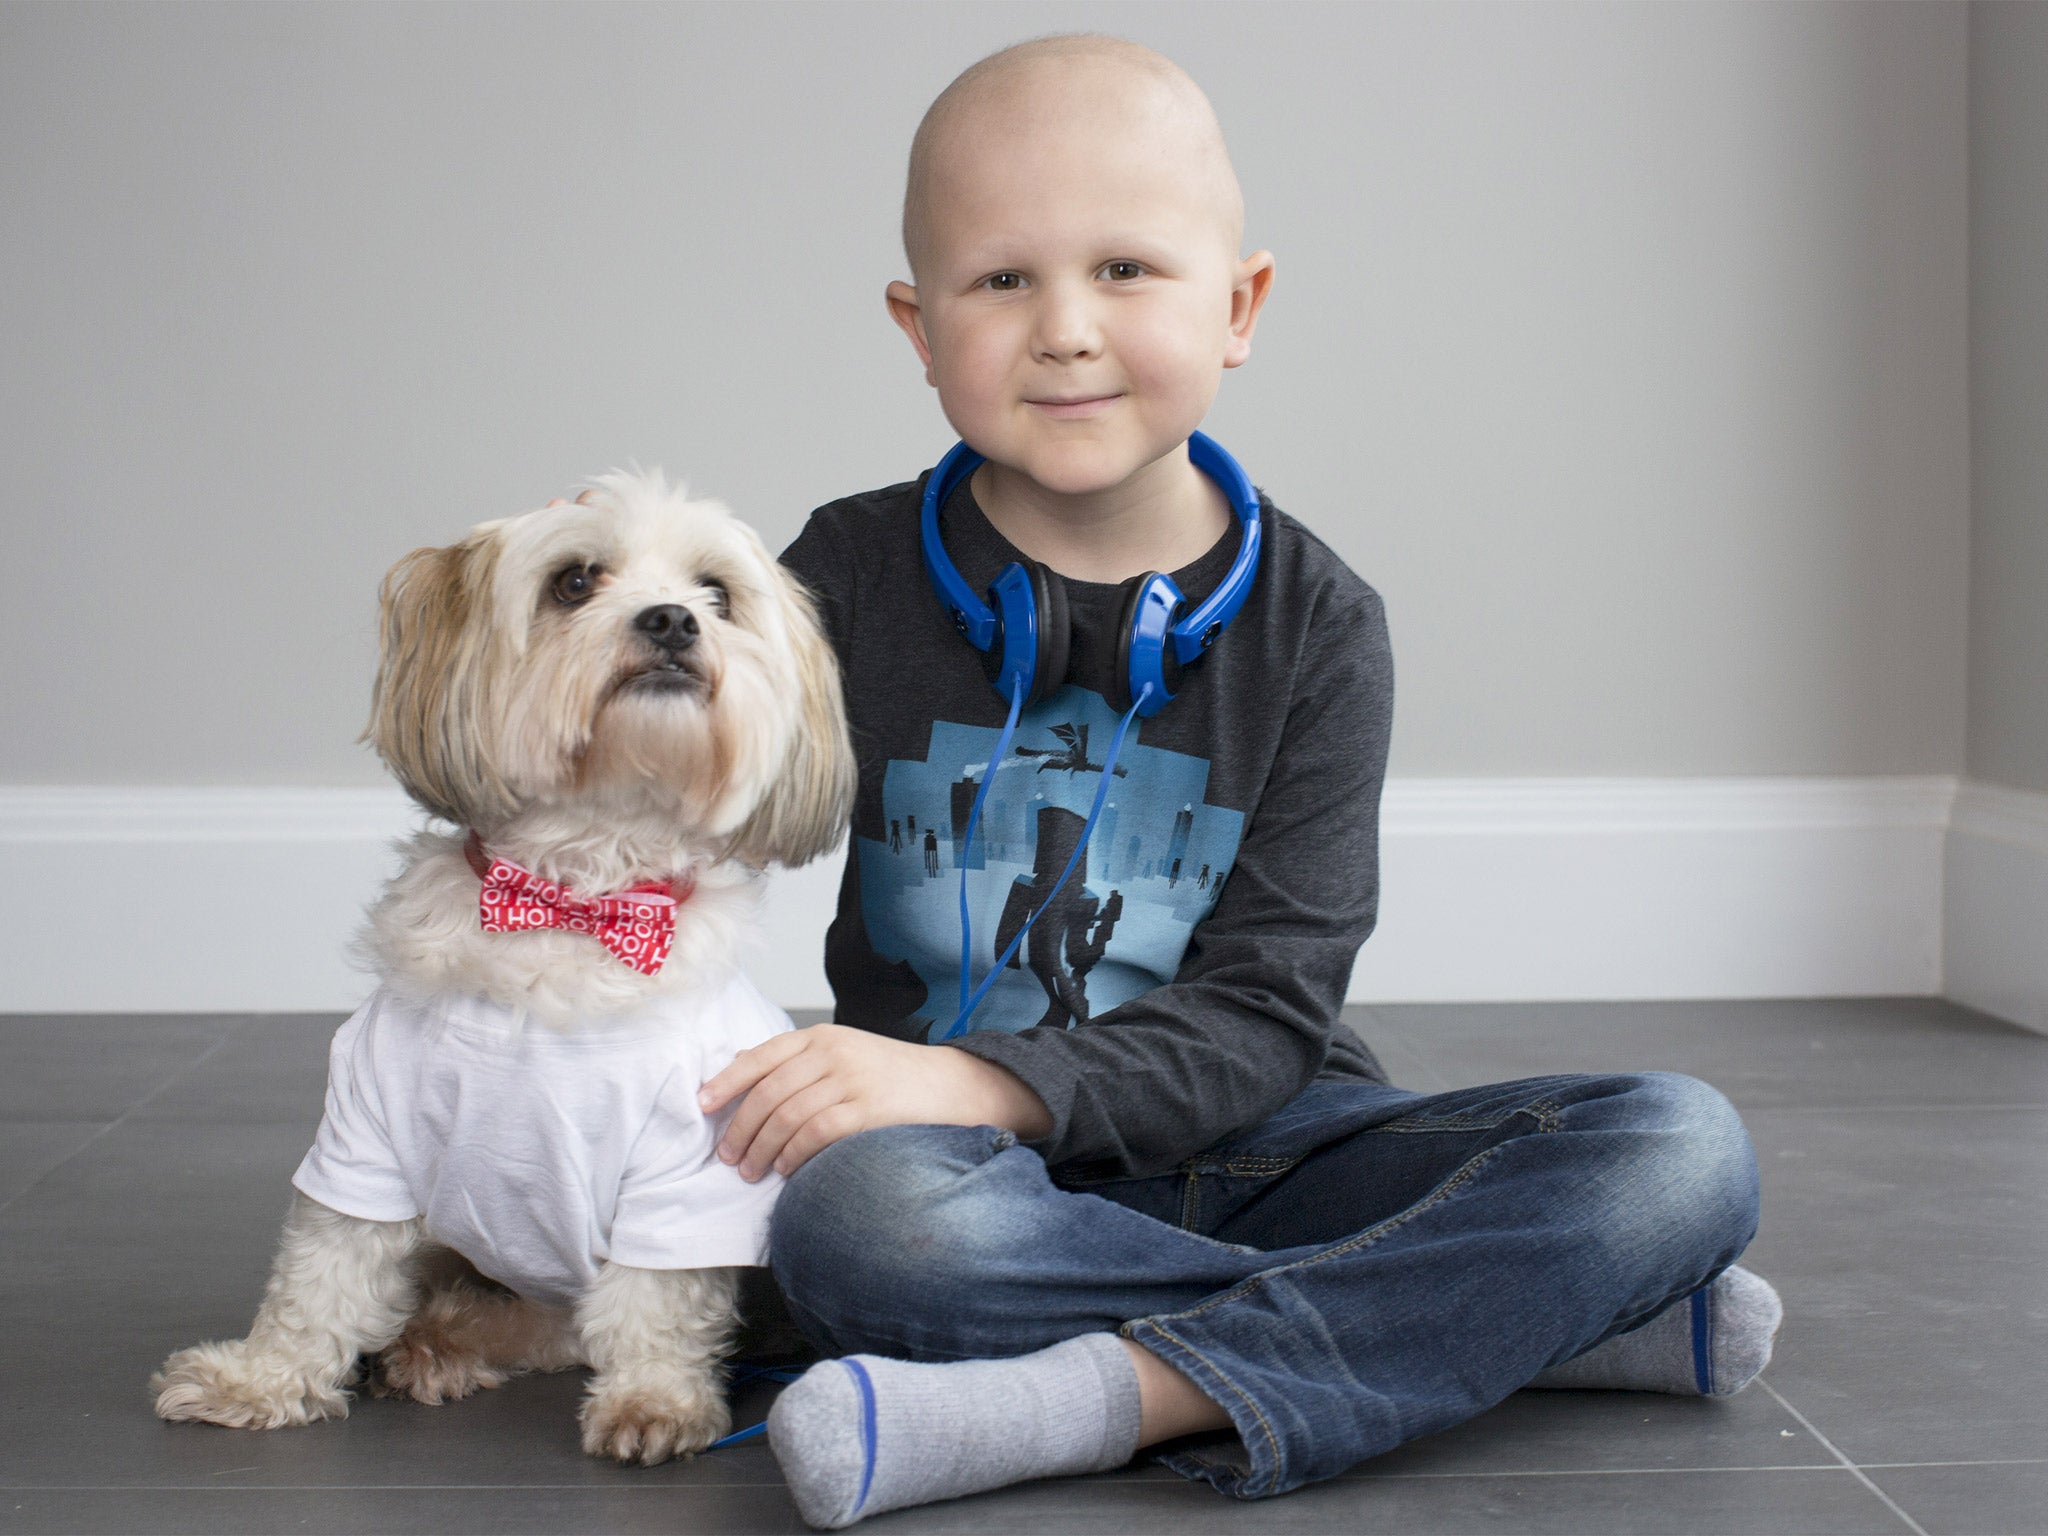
point(1069, 938)
point(1073, 756)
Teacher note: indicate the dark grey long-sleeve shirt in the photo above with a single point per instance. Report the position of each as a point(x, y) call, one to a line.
point(1186, 981)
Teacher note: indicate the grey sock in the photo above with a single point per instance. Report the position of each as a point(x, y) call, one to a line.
point(1709, 1345)
point(864, 1434)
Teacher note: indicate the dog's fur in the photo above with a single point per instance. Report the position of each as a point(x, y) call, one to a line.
point(510, 701)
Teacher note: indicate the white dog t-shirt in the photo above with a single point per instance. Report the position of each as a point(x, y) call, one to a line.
point(537, 1153)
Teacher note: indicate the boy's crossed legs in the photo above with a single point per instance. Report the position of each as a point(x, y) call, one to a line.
point(1367, 1266)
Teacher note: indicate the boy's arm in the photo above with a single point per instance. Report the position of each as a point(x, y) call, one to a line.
point(1247, 1020)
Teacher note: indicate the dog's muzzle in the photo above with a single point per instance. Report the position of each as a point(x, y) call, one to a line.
point(672, 630)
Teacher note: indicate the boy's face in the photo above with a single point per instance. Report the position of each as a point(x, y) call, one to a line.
point(1079, 291)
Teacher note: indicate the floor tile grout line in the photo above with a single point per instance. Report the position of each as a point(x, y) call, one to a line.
point(1989, 1461)
point(1836, 1451)
point(603, 1488)
point(1350, 1477)
point(1420, 1477)
point(166, 1488)
point(130, 1112)
point(1787, 1466)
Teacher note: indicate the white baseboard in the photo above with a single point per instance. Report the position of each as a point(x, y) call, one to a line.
point(1555, 889)
point(243, 899)
point(1996, 903)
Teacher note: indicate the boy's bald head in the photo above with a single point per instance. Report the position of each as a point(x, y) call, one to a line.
point(1082, 82)
point(1073, 225)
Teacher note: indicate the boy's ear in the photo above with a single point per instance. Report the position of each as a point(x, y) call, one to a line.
point(1247, 298)
point(908, 313)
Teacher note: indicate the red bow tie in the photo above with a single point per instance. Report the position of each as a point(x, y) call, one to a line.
point(637, 924)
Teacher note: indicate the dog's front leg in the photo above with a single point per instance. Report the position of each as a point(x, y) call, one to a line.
point(339, 1286)
point(656, 1337)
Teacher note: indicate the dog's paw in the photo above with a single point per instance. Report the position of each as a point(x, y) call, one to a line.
point(649, 1421)
point(242, 1388)
point(430, 1368)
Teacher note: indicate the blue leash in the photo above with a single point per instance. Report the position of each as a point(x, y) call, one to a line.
point(747, 1373)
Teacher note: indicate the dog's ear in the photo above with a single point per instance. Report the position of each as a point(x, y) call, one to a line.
point(810, 801)
point(428, 715)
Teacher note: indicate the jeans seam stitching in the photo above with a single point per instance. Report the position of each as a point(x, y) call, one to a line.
point(1266, 1429)
point(1545, 1112)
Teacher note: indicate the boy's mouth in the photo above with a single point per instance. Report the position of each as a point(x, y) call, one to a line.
point(1074, 409)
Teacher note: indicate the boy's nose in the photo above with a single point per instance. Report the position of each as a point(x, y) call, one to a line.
point(1066, 325)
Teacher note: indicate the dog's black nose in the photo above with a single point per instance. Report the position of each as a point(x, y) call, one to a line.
point(669, 625)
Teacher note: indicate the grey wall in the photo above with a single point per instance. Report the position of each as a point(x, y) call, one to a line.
point(1622, 347)
point(2008, 727)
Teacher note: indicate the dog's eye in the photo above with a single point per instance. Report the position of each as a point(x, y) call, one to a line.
point(721, 599)
point(575, 584)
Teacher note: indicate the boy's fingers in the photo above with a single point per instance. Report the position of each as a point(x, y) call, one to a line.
point(747, 1069)
point(790, 1117)
point(763, 1100)
point(830, 1124)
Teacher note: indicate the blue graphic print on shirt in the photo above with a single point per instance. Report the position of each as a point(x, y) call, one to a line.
point(1153, 868)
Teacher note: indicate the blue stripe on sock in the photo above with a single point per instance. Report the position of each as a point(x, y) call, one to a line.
point(1702, 1351)
point(867, 1428)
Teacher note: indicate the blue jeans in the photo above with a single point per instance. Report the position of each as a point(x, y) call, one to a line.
point(1367, 1266)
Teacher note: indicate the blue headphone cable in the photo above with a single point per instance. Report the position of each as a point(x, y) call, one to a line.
point(969, 1004)
point(988, 778)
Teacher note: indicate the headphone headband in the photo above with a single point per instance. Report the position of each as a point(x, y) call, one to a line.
point(1190, 636)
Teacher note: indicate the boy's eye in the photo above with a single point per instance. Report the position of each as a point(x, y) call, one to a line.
point(1123, 271)
point(1005, 282)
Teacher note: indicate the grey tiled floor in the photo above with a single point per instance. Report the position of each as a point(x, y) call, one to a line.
point(1904, 1147)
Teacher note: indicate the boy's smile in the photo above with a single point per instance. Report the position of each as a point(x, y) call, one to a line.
point(1076, 410)
point(1078, 295)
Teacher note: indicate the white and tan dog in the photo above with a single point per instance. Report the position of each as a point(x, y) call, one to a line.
point(622, 695)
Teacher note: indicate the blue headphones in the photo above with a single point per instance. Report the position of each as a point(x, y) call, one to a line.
point(1023, 631)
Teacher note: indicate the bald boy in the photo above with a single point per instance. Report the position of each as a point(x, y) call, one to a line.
point(1155, 1195)
point(1059, 153)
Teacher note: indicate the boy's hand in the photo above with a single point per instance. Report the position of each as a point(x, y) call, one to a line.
point(806, 1089)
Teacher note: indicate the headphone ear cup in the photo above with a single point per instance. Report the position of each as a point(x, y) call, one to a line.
point(1128, 596)
point(1055, 632)
point(1133, 658)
